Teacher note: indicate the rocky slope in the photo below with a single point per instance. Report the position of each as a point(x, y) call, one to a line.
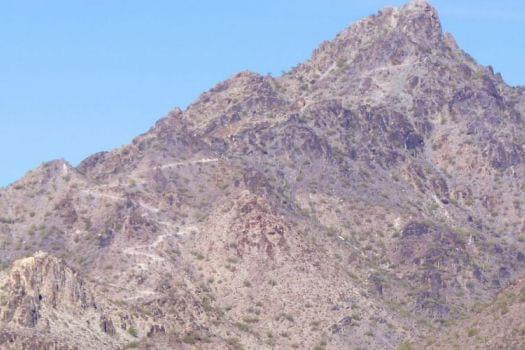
point(47, 305)
point(496, 325)
point(372, 197)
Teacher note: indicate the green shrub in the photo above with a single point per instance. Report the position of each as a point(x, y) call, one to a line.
point(472, 332)
point(133, 332)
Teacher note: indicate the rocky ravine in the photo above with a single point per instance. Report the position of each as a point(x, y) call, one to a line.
point(372, 197)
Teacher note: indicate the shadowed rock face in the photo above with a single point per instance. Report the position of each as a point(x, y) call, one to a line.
point(371, 196)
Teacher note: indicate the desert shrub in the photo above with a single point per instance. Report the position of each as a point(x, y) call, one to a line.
point(405, 346)
point(87, 224)
point(242, 326)
point(133, 332)
point(235, 343)
point(250, 320)
point(472, 332)
point(198, 255)
point(320, 346)
point(189, 338)
point(5, 220)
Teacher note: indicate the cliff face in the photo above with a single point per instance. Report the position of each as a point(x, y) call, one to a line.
point(371, 196)
point(46, 305)
point(40, 281)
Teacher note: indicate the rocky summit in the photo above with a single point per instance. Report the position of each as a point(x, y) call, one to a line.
point(372, 197)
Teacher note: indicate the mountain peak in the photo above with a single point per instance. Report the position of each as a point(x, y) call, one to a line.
point(418, 4)
point(392, 36)
point(420, 21)
point(375, 193)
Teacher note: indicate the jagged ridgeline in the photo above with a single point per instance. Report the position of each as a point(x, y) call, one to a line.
point(372, 197)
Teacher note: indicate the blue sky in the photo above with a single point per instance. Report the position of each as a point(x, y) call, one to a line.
point(78, 77)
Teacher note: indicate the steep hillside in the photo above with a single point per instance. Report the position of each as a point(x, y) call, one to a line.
point(372, 197)
point(496, 325)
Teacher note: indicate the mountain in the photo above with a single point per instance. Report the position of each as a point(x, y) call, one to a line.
point(372, 197)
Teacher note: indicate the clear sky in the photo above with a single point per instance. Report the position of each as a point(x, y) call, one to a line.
point(78, 77)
